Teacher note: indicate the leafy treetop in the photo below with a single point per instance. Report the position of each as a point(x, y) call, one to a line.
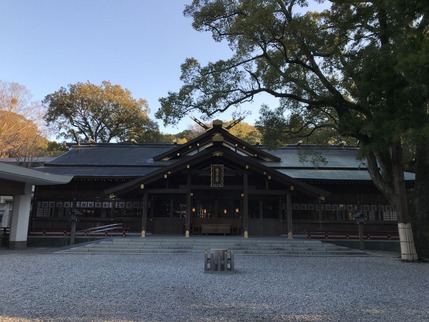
point(105, 113)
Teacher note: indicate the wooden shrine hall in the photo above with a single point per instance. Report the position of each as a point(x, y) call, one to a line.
point(213, 184)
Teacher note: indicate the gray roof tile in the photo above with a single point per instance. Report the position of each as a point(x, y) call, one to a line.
point(318, 157)
point(126, 160)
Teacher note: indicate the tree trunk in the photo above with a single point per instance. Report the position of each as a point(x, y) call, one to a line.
point(388, 176)
point(408, 250)
point(421, 218)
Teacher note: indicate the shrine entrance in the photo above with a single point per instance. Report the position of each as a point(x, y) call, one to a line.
point(215, 184)
point(216, 208)
point(217, 215)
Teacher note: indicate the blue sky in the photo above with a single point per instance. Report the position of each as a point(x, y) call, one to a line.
point(138, 44)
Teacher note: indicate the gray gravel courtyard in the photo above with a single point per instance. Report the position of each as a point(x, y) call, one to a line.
point(43, 286)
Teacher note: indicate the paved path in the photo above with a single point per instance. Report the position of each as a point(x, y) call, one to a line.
point(39, 285)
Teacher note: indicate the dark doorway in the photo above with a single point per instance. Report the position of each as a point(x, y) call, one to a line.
point(218, 211)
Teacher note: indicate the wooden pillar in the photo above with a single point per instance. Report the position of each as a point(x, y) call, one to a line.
point(151, 213)
point(216, 209)
point(144, 214)
point(171, 214)
point(73, 222)
point(245, 207)
point(112, 209)
point(281, 210)
point(188, 206)
point(320, 215)
point(289, 215)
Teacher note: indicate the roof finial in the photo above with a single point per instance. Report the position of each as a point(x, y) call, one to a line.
point(234, 123)
point(205, 127)
point(217, 124)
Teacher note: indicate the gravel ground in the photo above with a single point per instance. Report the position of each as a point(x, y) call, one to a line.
point(41, 286)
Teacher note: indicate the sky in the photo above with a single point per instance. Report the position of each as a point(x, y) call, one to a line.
point(137, 44)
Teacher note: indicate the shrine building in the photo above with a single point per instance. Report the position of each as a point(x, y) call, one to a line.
point(213, 184)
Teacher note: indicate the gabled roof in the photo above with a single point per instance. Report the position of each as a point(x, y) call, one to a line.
point(215, 135)
point(219, 153)
point(108, 160)
point(302, 162)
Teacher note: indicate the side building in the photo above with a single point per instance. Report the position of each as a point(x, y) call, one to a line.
point(215, 183)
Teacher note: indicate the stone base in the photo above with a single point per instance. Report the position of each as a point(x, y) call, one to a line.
point(18, 245)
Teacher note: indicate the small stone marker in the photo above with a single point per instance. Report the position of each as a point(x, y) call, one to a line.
point(218, 260)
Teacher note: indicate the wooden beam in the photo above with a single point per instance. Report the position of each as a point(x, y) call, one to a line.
point(207, 187)
point(166, 191)
point(267, 192)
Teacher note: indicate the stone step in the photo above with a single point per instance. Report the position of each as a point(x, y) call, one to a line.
point(190, 251)
point(212, 244)
point(179, 245)
point(285, 244)
point(204, 248)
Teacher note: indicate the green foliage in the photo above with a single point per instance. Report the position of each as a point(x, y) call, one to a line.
point(55, 148)
point(280, 127)
point(105, 113)
point(245, 132)
point(345, 69)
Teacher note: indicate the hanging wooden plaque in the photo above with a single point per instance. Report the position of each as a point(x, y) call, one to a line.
point(217, 172)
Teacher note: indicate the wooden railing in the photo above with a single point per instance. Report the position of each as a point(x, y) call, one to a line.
point(352, 235)
point(106, 230)
point(48, 232)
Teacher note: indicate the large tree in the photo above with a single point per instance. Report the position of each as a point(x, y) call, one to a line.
point(413, 64)
point(16, 98)
point(20, 134)
point(20, 138)
point(90, 113)
point(342, 65)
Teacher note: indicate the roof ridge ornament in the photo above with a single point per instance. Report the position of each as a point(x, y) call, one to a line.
point(217, 123)
point(205, 127)
point(234, 123)
point(217, 137)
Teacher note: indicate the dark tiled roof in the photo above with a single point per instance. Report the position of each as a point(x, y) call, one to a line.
point(94, 171)
point(110, 155)
point(337, 174)
point(127, 160)
point(318, 157)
